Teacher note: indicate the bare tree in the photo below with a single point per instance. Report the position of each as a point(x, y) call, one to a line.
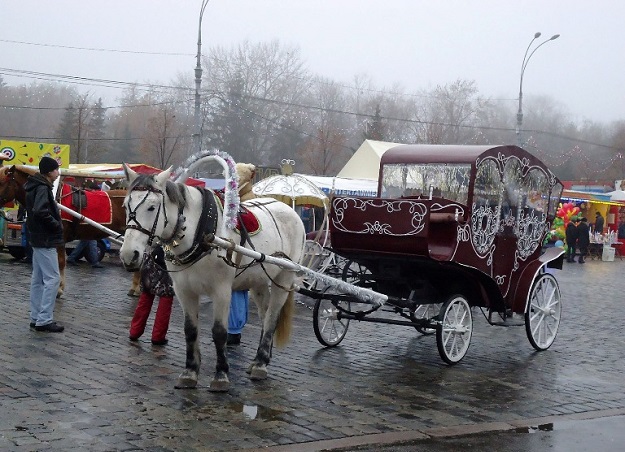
point(326, 151)
point(451, 113)
point(260, 86)
point(164, 137)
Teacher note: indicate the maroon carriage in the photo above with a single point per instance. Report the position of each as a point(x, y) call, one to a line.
point(452, 228)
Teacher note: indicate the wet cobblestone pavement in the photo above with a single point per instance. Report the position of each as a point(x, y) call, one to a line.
point(90, 388)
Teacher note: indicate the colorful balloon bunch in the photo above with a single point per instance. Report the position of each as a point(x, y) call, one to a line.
point(563, 217)
point(566, 211)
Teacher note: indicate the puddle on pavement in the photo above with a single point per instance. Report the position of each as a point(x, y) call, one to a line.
point(251, 411)
point(536, 428)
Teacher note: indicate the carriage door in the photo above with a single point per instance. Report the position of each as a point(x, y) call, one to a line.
point(506, 242)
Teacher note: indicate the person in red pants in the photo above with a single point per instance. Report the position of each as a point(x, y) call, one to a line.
point(155, 281)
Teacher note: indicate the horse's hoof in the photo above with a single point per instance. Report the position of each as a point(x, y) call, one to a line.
point(249, 368)
point(186, 382)
point(258, 373)
point(59, 295)
point(219, 386)
point(132, 293)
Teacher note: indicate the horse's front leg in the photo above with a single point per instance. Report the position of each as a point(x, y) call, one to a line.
point(60, 251)
point(190, 306)
point(221, 309)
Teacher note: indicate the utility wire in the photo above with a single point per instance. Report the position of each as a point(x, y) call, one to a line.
point(94, 49)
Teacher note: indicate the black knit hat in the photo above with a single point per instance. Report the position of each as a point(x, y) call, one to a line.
point(47, 165)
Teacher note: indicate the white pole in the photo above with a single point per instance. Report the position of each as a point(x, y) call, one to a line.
point(114, 236)
point(366, 295)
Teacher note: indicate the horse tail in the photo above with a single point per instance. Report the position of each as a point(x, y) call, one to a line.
point(285, 321)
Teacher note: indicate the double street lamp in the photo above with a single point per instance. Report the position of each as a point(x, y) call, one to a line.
point(526, 59)
point(197, 134)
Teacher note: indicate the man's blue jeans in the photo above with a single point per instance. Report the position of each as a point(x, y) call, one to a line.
point(44, 285)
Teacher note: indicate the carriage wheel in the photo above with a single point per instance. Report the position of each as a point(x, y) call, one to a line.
point(425, 311)
point(453, 333)
point(357, 274)
point(329, 330)
point(542, 316)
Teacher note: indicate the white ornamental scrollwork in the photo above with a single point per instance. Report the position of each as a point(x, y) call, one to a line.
point(417, 211)
point(531, 230)
point(484, 227)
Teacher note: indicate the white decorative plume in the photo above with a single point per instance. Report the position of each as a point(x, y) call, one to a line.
point(231, 192)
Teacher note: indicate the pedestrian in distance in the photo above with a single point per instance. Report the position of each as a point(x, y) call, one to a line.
point(583, 239)
point(571, 235)
point(43, 221)
point(155, 281)
point(91, 254)
point(599, 221)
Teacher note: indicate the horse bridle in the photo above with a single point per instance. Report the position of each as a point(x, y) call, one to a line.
point(132, 216)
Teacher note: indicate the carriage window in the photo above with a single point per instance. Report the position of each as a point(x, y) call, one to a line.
point(535, 190)
point(554, 199)
point(487, 188)
point(512, 177)
point(443, 180)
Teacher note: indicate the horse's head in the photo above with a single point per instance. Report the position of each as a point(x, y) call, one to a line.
point(151, 214)
point(9, 187)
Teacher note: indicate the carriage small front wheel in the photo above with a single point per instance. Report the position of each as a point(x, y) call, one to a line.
point(542, 316)
point(453, 333)
point(329, 329)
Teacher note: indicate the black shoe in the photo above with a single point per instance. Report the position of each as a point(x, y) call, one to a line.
point(581, 261)
point(32, 325)
point(233, 339)
point(161, 342)
point(133, 338)
point(51, 328)
point(97, 266)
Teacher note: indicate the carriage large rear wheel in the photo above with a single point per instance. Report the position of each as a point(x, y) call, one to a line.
point(329, 329)
point(542, 316)
point(453, 333)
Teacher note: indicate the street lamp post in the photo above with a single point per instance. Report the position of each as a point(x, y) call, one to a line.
point(197, 134)
point(526, 59)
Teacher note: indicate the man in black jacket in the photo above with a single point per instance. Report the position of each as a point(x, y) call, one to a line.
point(46, 233)
point(583, 239)
point(599, 223)
point(571, 239)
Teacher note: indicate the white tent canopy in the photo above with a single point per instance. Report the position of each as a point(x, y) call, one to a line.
point(616, 195)
point(365, 163)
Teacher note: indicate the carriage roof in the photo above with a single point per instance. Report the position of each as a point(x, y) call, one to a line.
point(436, 153)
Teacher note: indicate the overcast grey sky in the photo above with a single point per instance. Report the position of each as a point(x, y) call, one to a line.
point(418, 43)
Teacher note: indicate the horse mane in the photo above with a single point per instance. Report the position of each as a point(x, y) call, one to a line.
point(174, 191)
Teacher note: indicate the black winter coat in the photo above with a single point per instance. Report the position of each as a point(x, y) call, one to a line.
point(583, 240)
point(599, 224)
point(43, 217)
point(571, 234)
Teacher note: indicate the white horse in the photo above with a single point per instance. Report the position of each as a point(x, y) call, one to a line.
point(180, 218)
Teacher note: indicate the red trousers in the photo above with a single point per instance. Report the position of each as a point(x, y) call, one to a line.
point(161, 321)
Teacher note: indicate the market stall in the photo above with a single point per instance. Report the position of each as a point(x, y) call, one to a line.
point(588, 204)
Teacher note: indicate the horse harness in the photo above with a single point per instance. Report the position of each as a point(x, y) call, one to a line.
point(207, 226)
